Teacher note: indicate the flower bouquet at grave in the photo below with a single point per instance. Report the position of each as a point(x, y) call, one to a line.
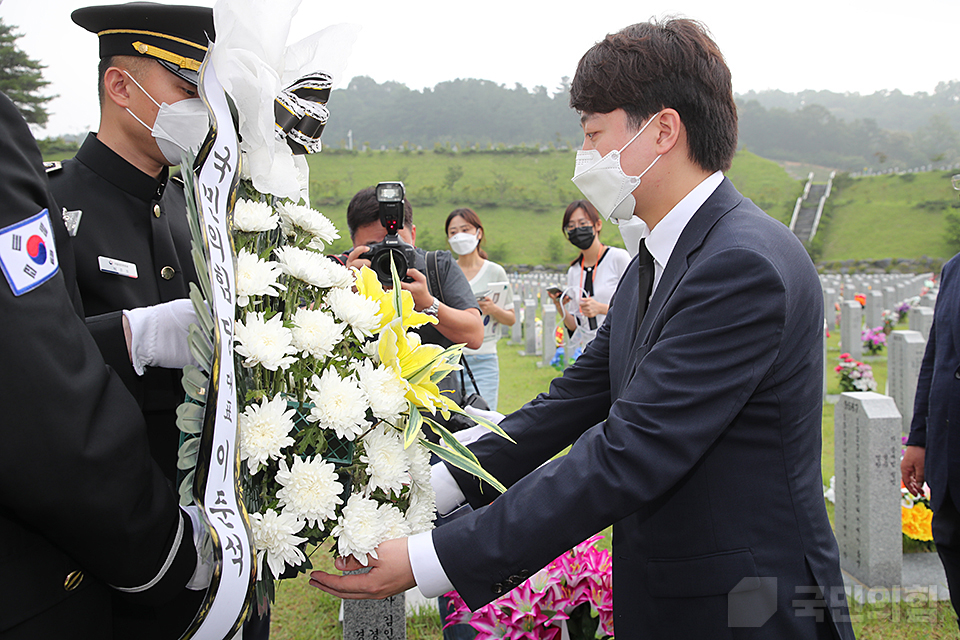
point(574, 590)
point(332, 390)
point(890, 321)
point(917, 519)
point(874, 340)
point(855, 375)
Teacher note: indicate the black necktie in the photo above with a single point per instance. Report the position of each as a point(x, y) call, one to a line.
point(646, 281)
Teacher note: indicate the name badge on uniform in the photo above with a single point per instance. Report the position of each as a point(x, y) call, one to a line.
point(28, 255)
point(117, 267)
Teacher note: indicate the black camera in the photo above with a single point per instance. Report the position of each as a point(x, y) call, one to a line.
point(390, 199)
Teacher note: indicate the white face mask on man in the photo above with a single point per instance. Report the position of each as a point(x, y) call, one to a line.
point(179, 127)
point(463, 243)
point(603, 182)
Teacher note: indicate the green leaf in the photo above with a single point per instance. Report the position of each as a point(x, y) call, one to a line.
point(204, 317)
point(414, 423)
point(194, 383)
point(187, 454)
point(397, 298)
point(190, 418)
point(200, 347)
point(459, 456)
point(186, 489)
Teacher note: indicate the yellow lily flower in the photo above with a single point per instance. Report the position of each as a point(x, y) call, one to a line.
point(369, 286)
point(418, 365)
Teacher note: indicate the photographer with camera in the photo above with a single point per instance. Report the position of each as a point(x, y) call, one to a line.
point(380, 221)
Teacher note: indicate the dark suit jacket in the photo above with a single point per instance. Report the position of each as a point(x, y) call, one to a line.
point(699, 441)
point(937, 403)
point(82, 506)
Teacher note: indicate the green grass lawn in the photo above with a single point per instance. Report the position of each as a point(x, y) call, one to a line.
point(305, 613)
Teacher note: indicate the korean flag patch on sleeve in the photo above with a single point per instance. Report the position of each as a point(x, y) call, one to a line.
point(28, 255)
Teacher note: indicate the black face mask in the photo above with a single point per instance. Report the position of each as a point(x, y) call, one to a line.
point(581, 237)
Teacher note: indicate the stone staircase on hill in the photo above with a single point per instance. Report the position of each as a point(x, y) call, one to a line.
point(809, 208)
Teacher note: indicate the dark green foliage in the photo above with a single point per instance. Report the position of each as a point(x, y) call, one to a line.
point(21, 78)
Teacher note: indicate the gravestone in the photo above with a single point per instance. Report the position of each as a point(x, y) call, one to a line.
point(904, 356)
point(867, 469)
point(921, 319)
point(829, 300)
point(530, 326)
point(516, 331)
point(873, 312)
point(365, 619)
point(549, 330)
point(889, 298)
point(928, 300)
point(851, 321)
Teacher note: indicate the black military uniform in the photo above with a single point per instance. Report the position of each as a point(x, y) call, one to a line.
point(82, 505)
point(132, 243)
point(129, 218)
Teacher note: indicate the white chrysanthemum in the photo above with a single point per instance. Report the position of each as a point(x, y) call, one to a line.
point(315, 332)
point(256, 277)
point(310, 490)
point(422, 510)
point(267, 343)
point(371, 349)
point(385, 390)
point(385, 459)
point(273, 536)
point(418, 459)
point(310, 221)
point(359, 529)
point(265, 430)
point(339, 404)
point(313, 268)
point(357, 310)
point(394, 525)
point(254, 216)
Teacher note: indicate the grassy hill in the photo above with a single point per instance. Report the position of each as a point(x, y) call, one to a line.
point(890, 216)
point(519, 196)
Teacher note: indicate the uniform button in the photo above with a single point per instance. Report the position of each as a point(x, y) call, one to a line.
point(167, 273)
point(156, 211)
point(497, 589)
point(957, 374)
point(73, 580)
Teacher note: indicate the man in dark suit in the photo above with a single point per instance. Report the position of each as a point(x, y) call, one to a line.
point(694, 415)
point(131, 240)
point(933, 451)
point(84, 511)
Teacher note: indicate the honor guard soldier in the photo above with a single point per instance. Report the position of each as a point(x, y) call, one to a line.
point(125, 213)
point(86, 516)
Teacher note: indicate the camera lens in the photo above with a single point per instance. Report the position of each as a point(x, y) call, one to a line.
point(381, 265)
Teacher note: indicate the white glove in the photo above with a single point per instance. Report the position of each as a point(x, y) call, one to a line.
point(159, 335)
point(201, 575)
point(493, 416)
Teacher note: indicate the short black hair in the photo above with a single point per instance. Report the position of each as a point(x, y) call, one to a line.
point(655, 65)
point(364, 209)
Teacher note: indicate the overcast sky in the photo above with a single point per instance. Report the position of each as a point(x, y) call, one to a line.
point(837, 45)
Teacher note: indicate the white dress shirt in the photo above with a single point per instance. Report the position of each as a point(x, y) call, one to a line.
point(427, 570)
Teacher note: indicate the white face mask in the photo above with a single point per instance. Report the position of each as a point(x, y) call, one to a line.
point(179, 127)
point(463, 243)
point(603, 182)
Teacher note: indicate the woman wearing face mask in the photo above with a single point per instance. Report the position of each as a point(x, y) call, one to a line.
point(464, 233)
point(592, 277)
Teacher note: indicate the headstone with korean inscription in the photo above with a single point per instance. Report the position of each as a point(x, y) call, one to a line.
point(530, 326)
point(851, 322)
point(375, 619)
point(904, 356)
point(867, 468)
point(873, 311)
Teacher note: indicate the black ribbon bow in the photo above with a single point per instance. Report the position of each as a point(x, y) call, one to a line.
point(301, 113)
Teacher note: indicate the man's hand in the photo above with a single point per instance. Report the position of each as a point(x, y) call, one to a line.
point(389, 575)
point(354, 260)
point(158, 335)
point(911, 469)
point(418, 289)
